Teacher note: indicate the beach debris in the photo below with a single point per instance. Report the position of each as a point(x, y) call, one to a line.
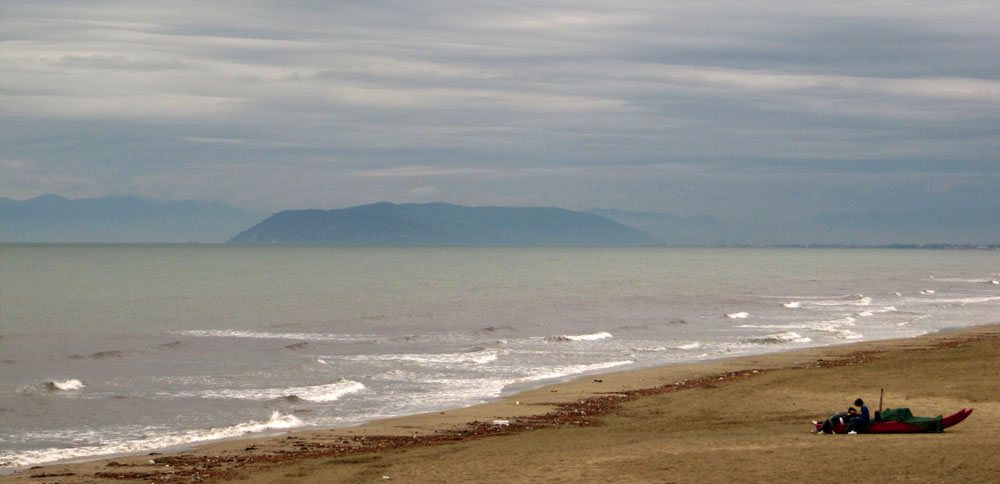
point(501, 423)
point(59, 474)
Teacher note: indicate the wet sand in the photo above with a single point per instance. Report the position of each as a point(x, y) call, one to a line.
point(743, 419)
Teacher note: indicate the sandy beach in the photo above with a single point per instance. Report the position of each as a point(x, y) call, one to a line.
point(744, 419)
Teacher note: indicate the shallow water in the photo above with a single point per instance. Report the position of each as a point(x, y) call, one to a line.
point(116, 349)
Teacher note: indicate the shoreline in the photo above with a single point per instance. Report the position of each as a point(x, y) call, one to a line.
point(577, 403)
point(386, 424)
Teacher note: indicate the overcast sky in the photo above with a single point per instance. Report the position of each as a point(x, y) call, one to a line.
point(741, 109)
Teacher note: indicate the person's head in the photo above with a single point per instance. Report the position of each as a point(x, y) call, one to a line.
point(859, 402)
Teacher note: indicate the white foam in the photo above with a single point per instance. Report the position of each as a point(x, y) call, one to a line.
point(478, 356)
point(649, 349)
point(994, 282)
point(563, 371)
point(581, 337)
point(277, 421)
point(792, 305)
point(786, 337)
point(971, 281)
point(68, 385)
point(960, 300)
point(865, 314)
point(739, 315)
point(928, 291)
point(689, 346)
point(316, 393)
point(852, 300)
point(234, 333)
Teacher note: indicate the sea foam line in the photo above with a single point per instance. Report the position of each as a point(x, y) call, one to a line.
point(786, 337)
point(564, 371)
point(481, 357)
point(234, 333)
point(278, 421)
point(581, 337)
point(316, 393)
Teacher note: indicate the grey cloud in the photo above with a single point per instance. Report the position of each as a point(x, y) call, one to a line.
point(726, 108)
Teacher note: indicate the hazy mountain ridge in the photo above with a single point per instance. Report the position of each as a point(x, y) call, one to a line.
point(443, 224)
point(675, 230)
point(51, 218)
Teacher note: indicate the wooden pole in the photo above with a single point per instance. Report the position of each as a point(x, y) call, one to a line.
point(881, 393)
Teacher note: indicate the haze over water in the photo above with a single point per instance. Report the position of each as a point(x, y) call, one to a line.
point(116, 349)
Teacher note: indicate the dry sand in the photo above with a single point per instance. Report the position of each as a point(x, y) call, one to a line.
point(738, 420)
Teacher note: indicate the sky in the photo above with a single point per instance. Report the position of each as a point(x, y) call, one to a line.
point(744, 110)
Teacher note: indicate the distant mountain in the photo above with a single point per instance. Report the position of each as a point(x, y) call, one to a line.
point(51, 218)
point(443, 224)
point(674, 230)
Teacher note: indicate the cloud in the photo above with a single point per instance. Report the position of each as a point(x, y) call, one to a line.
point(420, 194)
point(641, 104)
point(424, 172)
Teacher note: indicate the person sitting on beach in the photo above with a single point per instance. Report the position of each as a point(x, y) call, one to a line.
point(859, 423)
point(833, 420)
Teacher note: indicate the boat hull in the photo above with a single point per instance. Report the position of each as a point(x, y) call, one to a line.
point(903, 427)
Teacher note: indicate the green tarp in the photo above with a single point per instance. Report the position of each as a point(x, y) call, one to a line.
point(929, 424)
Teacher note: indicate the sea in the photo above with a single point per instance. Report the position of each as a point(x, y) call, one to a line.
point(118, 349)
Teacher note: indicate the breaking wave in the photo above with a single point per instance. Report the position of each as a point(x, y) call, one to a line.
point(233, 333)
point(68, 385)
point(837, 327)
point(580, 337)
point(786, 337)
point(649, 349)
point(564, 371)
point(479, 356)
point(850, 300)
point(792, 305)
point(278, 421)
point(689, 346)
point(739, 315)
point(317, 393)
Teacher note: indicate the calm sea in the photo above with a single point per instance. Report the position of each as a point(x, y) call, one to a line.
point(119, 349)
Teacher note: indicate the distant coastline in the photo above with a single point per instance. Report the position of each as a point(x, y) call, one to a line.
point(131, 219)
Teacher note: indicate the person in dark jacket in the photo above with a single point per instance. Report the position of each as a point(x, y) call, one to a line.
point(860, 423)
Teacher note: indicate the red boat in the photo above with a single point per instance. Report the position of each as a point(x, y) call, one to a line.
point(903, 427)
